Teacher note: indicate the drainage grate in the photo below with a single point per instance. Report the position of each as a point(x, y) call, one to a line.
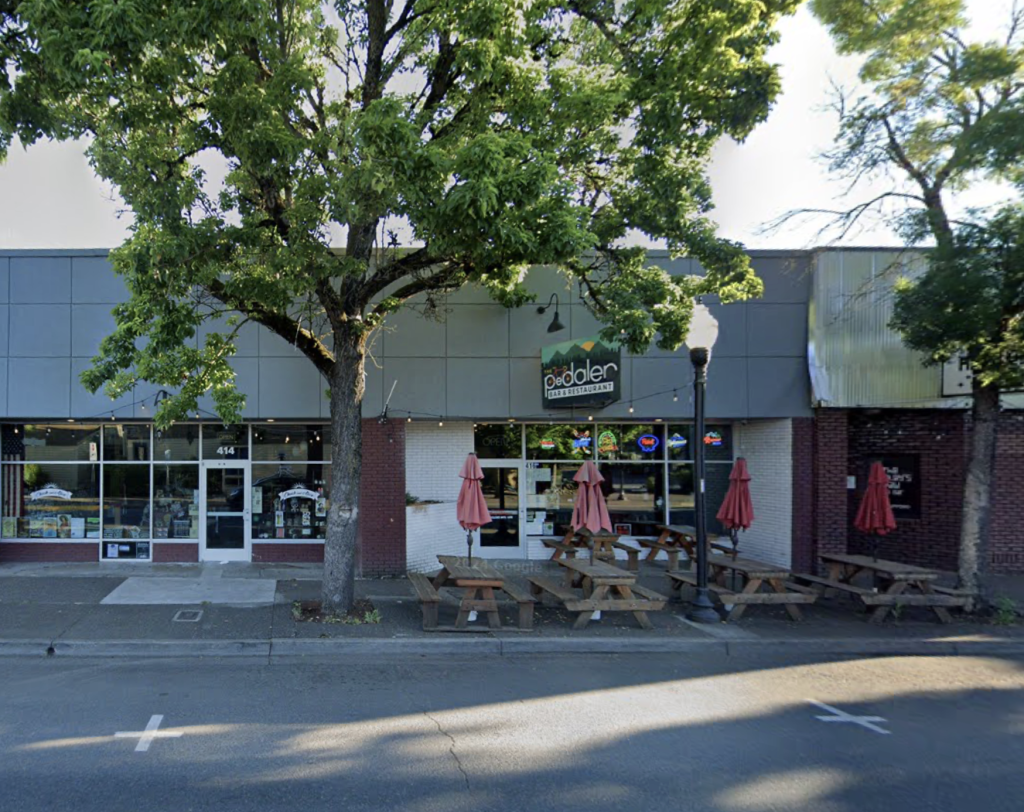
point(187, 616)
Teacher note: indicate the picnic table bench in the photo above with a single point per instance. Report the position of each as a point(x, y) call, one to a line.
point(764, 584)
point(598, 587)
point(677, 538)
point(844, 568)
point(604, 547)
point(477, 582)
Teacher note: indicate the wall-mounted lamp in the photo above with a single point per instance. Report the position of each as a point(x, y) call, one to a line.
point(556, 323)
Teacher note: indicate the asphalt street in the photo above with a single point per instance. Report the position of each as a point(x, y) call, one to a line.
point(426, 733)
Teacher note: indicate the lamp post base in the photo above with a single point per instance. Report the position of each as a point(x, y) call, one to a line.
point(701, 610)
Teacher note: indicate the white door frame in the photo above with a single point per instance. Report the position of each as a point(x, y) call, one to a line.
point(245, 552)
point(506, 552)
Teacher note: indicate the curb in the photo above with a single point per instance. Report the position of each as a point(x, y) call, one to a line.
point(494, 646)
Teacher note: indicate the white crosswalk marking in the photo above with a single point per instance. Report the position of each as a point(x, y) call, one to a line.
point(151, 732)
point(843, 716)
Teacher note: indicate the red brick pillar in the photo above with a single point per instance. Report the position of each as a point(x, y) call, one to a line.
point(830, 470)
point(381, 543)
point(1006, 535)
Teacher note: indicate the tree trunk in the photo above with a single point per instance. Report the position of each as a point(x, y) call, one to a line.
point(338, 591)
point(977, 492)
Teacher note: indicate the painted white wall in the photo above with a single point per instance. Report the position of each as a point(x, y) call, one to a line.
point(768, 448)
point(430, 531)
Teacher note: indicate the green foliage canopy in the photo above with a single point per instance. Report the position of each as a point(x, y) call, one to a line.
point(501, 133)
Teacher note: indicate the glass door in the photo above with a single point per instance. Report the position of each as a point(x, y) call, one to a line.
point(503, 537)
point(224, 511)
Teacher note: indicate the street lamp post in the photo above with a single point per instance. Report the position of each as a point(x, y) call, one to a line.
point(700, 339)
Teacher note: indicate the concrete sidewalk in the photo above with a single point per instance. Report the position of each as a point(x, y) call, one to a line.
point(248, 610)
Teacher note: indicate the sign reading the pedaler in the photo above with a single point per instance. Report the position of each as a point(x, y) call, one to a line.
point(584, 372)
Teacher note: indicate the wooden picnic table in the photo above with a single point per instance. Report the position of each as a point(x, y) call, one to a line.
point(599, 587)
point(477, 582)
point(908, 585)
point(676, 539)
point(603, 545)
point(757, 575)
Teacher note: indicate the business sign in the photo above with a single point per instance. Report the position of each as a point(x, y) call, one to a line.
point(904, 472)
point(677, 441)
point(51, 491)
point(298, 493)
point(648, 443)
point(581, 442)
point(584, 372)
point(606, 442)
point(956, 377)
point(713, 439)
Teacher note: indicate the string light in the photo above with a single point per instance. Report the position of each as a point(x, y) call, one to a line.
point(675, 396)
point(440, 422)
point(631, 408)
point(590, 417)
point(408, 419)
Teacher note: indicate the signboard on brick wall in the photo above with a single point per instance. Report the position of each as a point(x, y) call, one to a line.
point(904, 472)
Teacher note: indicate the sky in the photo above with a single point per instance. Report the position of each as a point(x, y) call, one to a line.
point(50, 198)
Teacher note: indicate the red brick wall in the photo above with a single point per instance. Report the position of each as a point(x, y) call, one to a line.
point(48, 551)
point(288, 551)
point(830, 453)
point(803, 494)
point(1007, 527)
point(381, 547)
point(938, 438)
point(170, 553)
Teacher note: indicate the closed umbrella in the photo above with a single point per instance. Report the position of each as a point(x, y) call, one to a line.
point(737, 511)
point(590, 510)
point(471, 509)
point(874, 516)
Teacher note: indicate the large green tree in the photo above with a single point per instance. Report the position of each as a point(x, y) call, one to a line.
point(943, 113)
point(501, 133)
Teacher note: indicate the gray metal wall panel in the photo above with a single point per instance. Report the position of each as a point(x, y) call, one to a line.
point(5, 331)
point(524, 325)
point(5, 280)
point(581, 323)
point(376, 391)
point(787, 280)
point(90, 324)
point(3, 387)
point(247, 341)
point(94, 281)
point(272, 345)
point(40, 280)
point(728, 392)
point(525, 387)
point(288, 387)
point(84, 404)
point(776, 330)
point(778, 387)
point(654, 383)
point(142, 399)
point(479, 385)
point(421, 385)
point(39, 331)
point(39, 387)
point(247, 379)
point(408, 334)
point(476, 331)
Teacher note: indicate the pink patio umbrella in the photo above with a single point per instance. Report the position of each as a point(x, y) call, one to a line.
point(737, 511)
point(590, 511)
point(471, 509)
point(874, 516)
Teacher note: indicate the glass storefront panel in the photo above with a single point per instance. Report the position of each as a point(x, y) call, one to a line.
point(718, 443)
point(679, 442)
point(290, 501)
point(126, 442)
point(498, 441)
point(51, 442)
point(291, 442)
point(125, 501)
point(175, 501)
point(550, 494)
point(225, 443)
point(634, 494)
point(501, 492)
point(560, 442)
point(627, 441)
point(680, 479)
point(51, 501)
point(177, 443)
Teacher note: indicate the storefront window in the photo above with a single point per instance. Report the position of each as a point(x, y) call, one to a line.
point(680, 487)
point(290, 501)
point(54, 442)
point(498, 441)
point(718, 443)
point(291, 442)
point(126, 442)
point(177, 443)
point(629, 442)
point(635, 497)
point(125, 501)
point(679, 442)
point(230, 443)
point(51, 501)
point(175, 501)
point(550, 494)
point(560, 442)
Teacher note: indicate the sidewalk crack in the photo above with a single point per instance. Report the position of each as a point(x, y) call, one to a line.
point(451, 738)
